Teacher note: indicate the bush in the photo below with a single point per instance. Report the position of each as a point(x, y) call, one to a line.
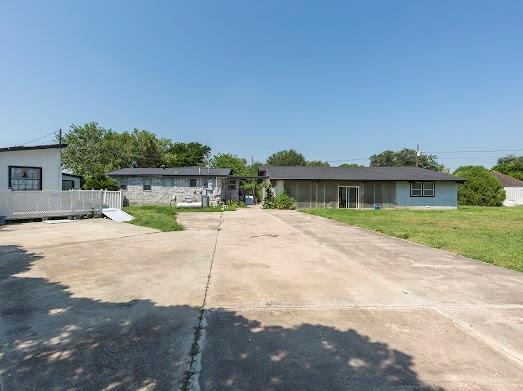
point(281, 201)
point(100, 182)
point(481, 187)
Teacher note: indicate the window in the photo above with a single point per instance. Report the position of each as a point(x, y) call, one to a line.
point(232, 184)
point(193, 182)
point(428, 189)
point(422, 189)
point(168, 182)
point(147, 184)
point(123, 183)
point(25, 178)
point(67, 184)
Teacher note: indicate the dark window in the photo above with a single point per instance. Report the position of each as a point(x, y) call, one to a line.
point(122, 182)
point(67, 184)
point(193, 182)
point(25, 178)
point(422, 189)
point(147, 182)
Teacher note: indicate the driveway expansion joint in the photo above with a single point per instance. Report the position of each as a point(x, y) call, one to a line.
point(191, 377)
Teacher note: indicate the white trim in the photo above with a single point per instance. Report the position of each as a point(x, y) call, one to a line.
point(357, 196)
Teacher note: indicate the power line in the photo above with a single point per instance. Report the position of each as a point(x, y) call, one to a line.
point(40, 138)
point(441, 157)
point(477, 151)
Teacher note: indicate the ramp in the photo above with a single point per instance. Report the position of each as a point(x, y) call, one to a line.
point(117, 215)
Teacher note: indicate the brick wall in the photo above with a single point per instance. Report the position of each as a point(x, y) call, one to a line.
point(162, 194)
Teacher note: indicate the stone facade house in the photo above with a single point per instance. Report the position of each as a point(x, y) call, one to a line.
point(171, 185)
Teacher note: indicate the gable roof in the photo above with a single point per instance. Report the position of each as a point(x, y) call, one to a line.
point(172, 171)
point(22, 148)
point(357, 173)
point(506, 180)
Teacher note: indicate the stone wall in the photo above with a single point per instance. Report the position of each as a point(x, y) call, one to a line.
point(163, 190)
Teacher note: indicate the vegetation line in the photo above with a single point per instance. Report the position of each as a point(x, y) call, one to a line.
point(199, 329)
point(491, 235)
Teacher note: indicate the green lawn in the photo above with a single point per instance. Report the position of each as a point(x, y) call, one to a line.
point(493, 235)
point(162, 217)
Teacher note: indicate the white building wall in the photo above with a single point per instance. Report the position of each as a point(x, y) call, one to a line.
point(47, 159)
point(514, 196)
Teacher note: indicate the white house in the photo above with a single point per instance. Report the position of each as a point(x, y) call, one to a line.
point(513, 189)
point(31, 168)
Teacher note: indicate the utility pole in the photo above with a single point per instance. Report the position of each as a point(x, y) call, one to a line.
point(60, 136)
point(417, 155)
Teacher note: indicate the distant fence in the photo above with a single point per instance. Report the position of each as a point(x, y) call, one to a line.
point(514, 195)
point(38, 204)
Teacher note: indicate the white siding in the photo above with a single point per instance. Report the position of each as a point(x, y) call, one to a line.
point(47, 159)
point(514, 196)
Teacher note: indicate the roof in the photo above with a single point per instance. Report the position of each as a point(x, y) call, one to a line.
point(22, 148)
point(172, 171)
point(73, 175)
point(357, 173)
point(506, 180)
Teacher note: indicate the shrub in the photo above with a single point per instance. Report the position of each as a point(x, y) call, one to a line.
point(284, 201)
point(481, 188)
point(281, 201)
point(100, 182)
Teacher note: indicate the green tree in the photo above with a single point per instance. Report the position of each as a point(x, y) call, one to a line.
point(88, 152)
point(187, 154)
point(147, 150)
point(350, 165)
point(405, 158)
point(317, 163)
point(480, 188)
point(510, 165)
point(288, 157)
point(228, 160)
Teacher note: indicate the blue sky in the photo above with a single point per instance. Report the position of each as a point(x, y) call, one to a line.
point(335, 80)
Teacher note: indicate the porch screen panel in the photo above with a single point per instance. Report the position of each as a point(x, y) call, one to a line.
point(331, 195)
point(304, 193)
point(368, 195)
point(388, 194)
point(321, 195)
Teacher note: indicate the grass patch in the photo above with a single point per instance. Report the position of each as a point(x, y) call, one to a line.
point(493, 235)
point(162, 217)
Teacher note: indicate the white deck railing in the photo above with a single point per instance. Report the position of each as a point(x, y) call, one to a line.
point(37, 204)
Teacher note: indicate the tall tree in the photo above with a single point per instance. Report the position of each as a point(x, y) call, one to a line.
point(510, 165)
point(288, 157)
point(88, 151)
point(147, 149)
point(187, 154)
point(405, 157)
point(93, 151)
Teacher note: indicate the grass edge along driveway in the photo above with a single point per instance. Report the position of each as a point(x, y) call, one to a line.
point(162, 218)
point(492, 235)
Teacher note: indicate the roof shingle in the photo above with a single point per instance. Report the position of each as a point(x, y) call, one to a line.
point(171, 171)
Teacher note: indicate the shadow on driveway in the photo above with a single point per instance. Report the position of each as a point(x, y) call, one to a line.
point(53, 341)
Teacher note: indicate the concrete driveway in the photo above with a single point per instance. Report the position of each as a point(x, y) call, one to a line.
point(293, 302)
point(94, 304)
point(301, 302)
